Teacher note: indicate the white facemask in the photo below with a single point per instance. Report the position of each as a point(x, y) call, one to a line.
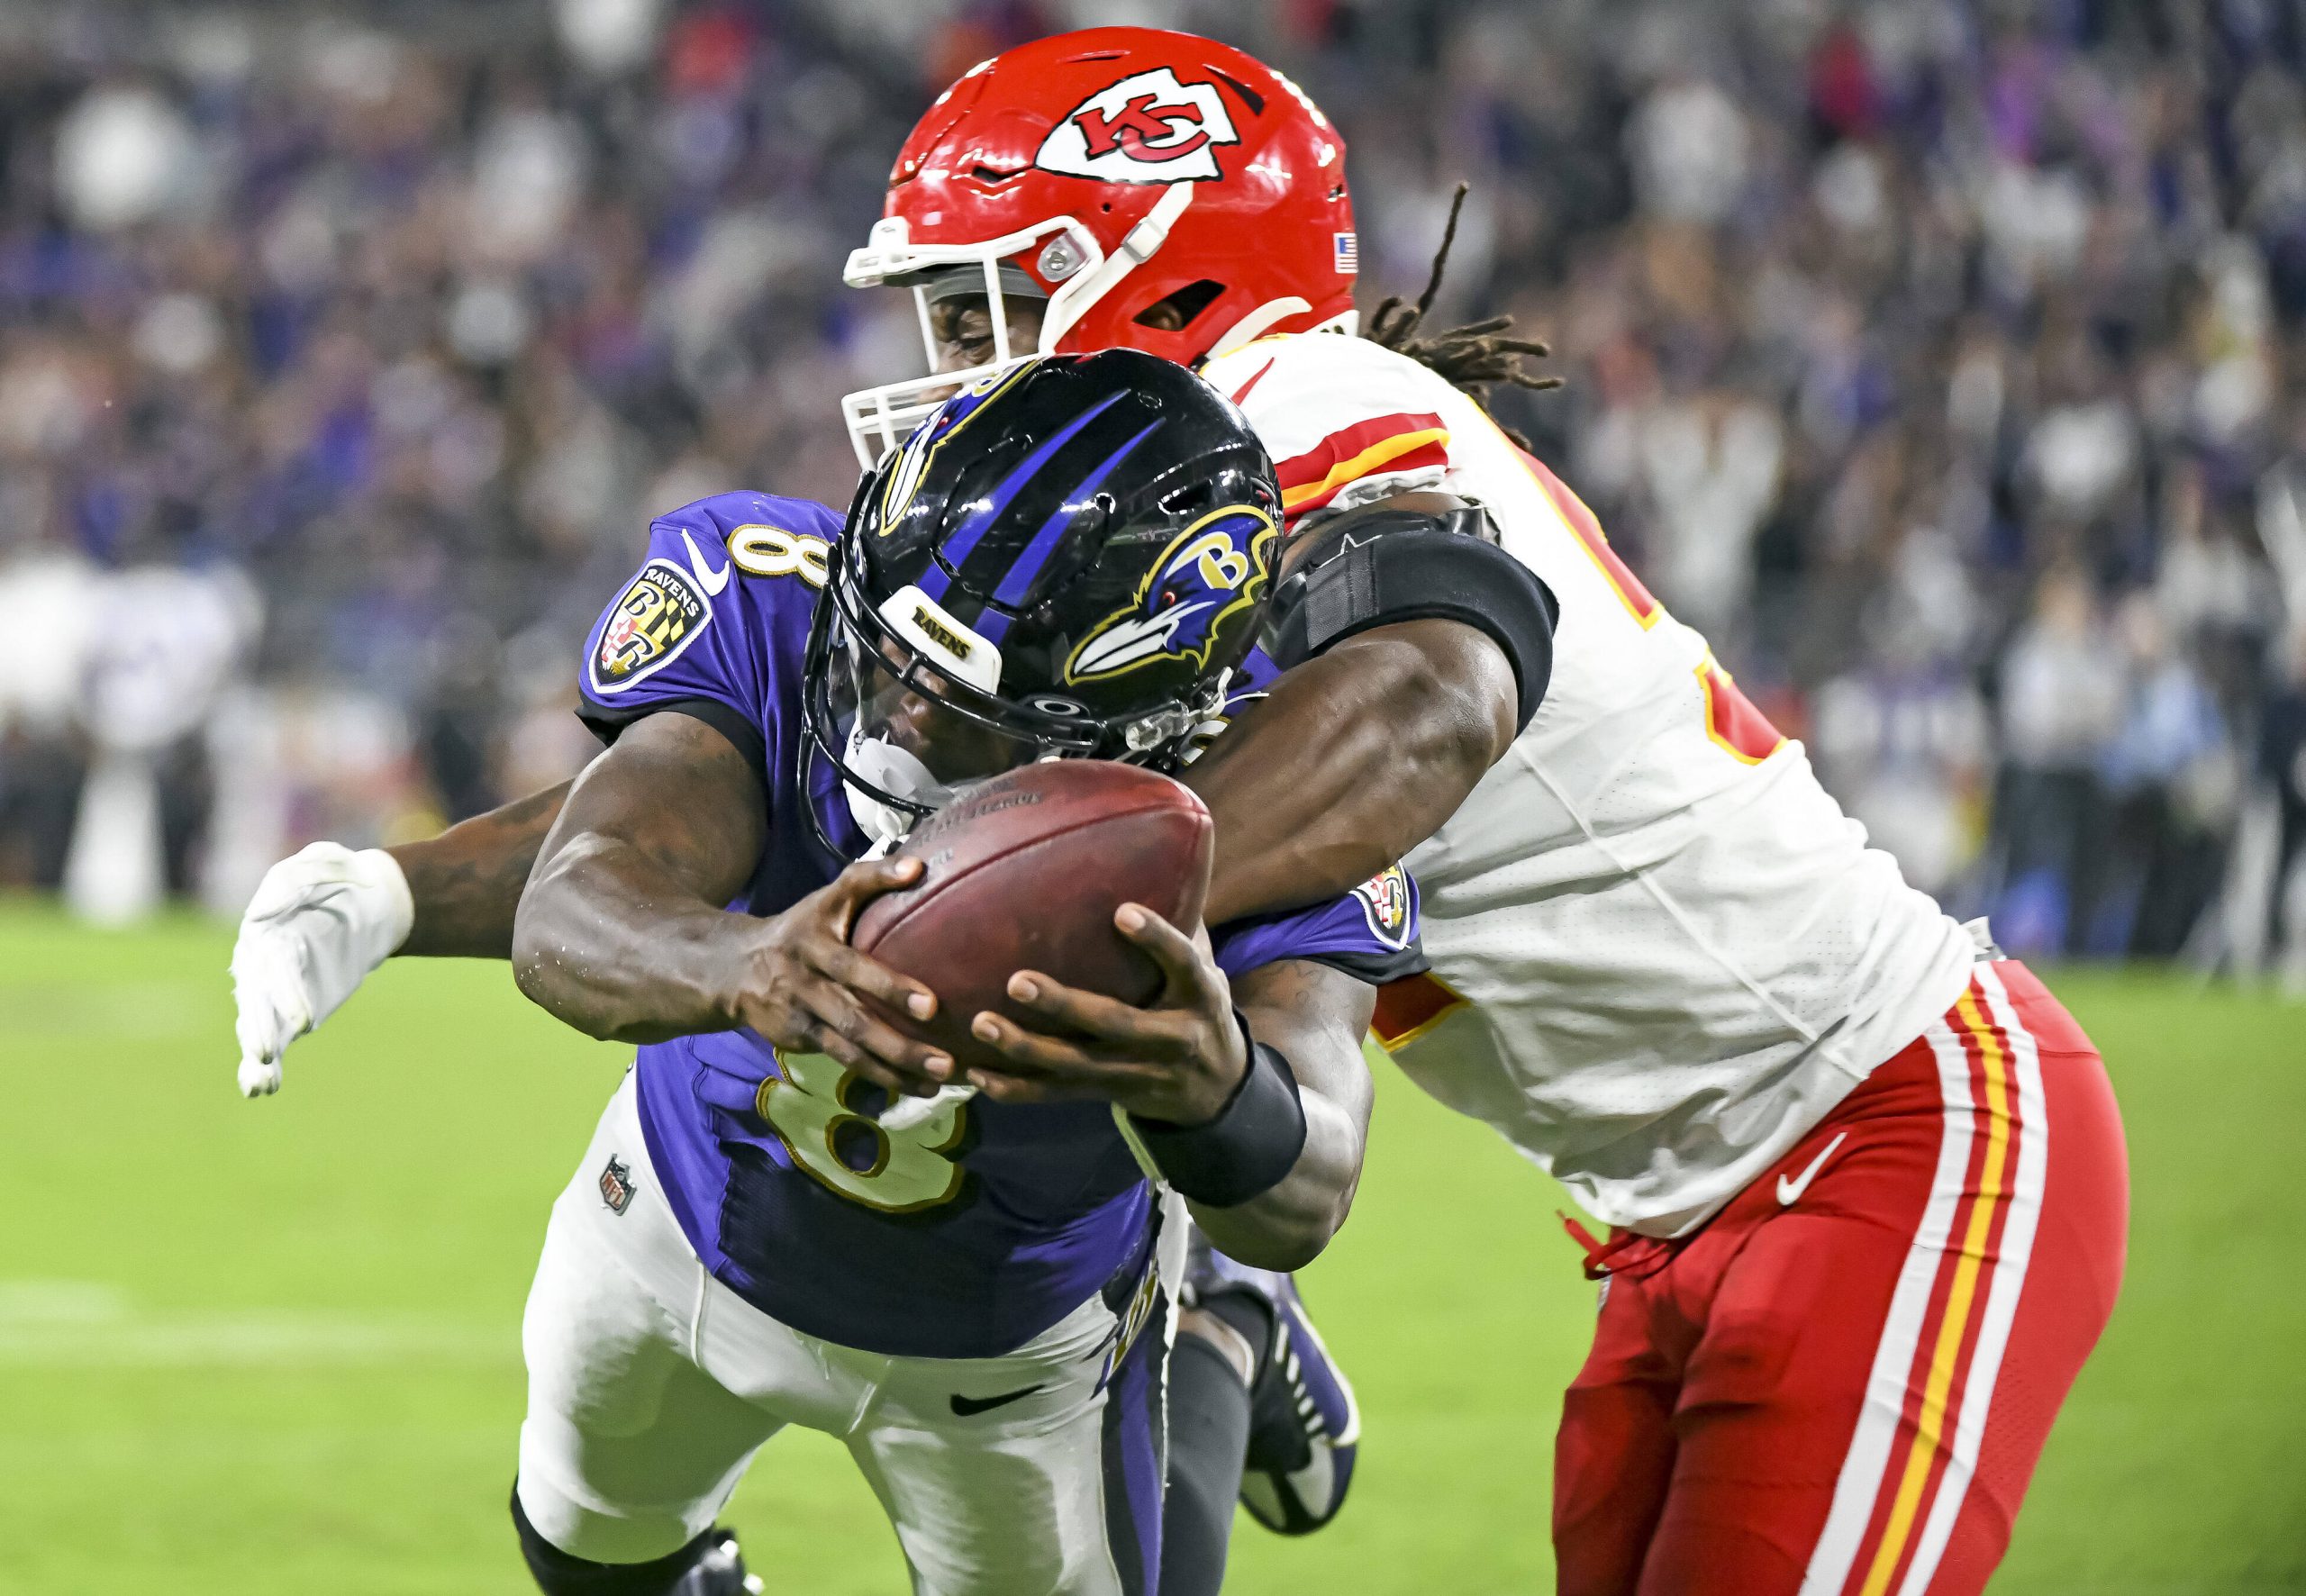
point(897, 773)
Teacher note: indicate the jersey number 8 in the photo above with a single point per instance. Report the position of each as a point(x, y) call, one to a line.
point(761, 550)
point(816, 1107)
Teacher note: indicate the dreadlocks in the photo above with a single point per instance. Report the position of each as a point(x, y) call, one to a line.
point(1469, 358)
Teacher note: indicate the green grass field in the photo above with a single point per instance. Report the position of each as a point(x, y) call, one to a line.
point(272, 1348)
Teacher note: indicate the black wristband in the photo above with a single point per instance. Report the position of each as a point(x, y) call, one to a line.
point(1248, 1148)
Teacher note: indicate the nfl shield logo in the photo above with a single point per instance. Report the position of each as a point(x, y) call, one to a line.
point(616, 1185)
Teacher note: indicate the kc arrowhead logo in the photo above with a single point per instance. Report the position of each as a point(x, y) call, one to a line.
point(1146, 129)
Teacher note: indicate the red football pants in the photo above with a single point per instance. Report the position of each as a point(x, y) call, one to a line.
point(1839, 1386)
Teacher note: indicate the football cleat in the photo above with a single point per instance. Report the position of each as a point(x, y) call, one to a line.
point(1305, 1426)
point(720, 1572)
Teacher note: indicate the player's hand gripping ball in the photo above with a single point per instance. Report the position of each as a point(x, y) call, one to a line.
point(1025, 872)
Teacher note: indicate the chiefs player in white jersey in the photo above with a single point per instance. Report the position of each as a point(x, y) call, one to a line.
point(1819, 1114)
point(1865, 1177)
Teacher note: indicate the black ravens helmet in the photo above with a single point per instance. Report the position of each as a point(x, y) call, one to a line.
point(1066, 561)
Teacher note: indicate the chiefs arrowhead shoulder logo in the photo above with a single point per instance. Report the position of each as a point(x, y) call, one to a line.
point(1146, 129)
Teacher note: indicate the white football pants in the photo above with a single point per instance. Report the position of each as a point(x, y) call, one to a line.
point(651, 1385)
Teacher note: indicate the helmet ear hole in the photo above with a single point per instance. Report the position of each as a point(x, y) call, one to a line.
point(1178, 311)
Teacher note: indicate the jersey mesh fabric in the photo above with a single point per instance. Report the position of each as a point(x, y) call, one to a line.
point(1675, 953)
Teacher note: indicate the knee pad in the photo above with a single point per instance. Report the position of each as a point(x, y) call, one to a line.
point(709, 1565)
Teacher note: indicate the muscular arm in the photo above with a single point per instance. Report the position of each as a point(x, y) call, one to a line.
point(1353, 759)
point(1316, 1017)
point(466, 882)
point(622, 933)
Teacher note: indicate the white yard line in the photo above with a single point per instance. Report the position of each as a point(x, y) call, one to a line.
point(92, 1324)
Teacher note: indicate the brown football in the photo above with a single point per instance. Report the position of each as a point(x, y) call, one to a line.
point(1024, 872)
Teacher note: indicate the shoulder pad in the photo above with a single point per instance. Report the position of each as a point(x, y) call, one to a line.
point(1387, 566)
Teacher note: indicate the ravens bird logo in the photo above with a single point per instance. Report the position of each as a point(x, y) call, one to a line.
point(1213, 570)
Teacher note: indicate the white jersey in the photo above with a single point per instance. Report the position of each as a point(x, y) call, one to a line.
point(1660, 951)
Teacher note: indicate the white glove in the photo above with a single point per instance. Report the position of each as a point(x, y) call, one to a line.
point(320, 921)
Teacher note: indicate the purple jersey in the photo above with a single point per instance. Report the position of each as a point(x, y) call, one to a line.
point(945, 1228)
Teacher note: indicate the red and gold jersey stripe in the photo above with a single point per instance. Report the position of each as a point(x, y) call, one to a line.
point(1408, 1008)
point(1389, 443)
point(1588, 530)
point(1731, 720)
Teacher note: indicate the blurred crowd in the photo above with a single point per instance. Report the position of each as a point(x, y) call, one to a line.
point(1944, 360)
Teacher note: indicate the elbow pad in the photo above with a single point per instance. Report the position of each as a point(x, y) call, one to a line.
point(1405, 564)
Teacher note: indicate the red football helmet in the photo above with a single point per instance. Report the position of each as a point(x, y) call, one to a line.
point(1107, 171)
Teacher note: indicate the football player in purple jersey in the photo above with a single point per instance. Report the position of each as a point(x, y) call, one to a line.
point(969, 1279)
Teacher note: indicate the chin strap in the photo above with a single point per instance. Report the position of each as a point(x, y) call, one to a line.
point(1072, 300)
point(897, 773)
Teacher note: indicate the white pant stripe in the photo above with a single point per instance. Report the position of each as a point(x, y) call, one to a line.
point(2009, 1282)
point(1860, 1480)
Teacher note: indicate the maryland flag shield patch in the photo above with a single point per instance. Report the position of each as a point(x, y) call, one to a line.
point(659, 613)
point(1384, 904)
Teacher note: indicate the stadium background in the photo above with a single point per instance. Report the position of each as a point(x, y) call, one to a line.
point(1945, 362)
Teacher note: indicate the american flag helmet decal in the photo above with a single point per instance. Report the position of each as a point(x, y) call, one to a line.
point(1349, 254)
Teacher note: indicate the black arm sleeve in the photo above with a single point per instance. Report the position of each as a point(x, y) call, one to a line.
point(1404, 565)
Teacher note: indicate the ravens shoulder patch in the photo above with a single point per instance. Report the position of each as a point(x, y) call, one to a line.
point(1385, 904)
point(660, 612)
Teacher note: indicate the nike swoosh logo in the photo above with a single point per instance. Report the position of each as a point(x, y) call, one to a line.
point(712, 581)
point(1789, 1192)
point(969, 1407)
